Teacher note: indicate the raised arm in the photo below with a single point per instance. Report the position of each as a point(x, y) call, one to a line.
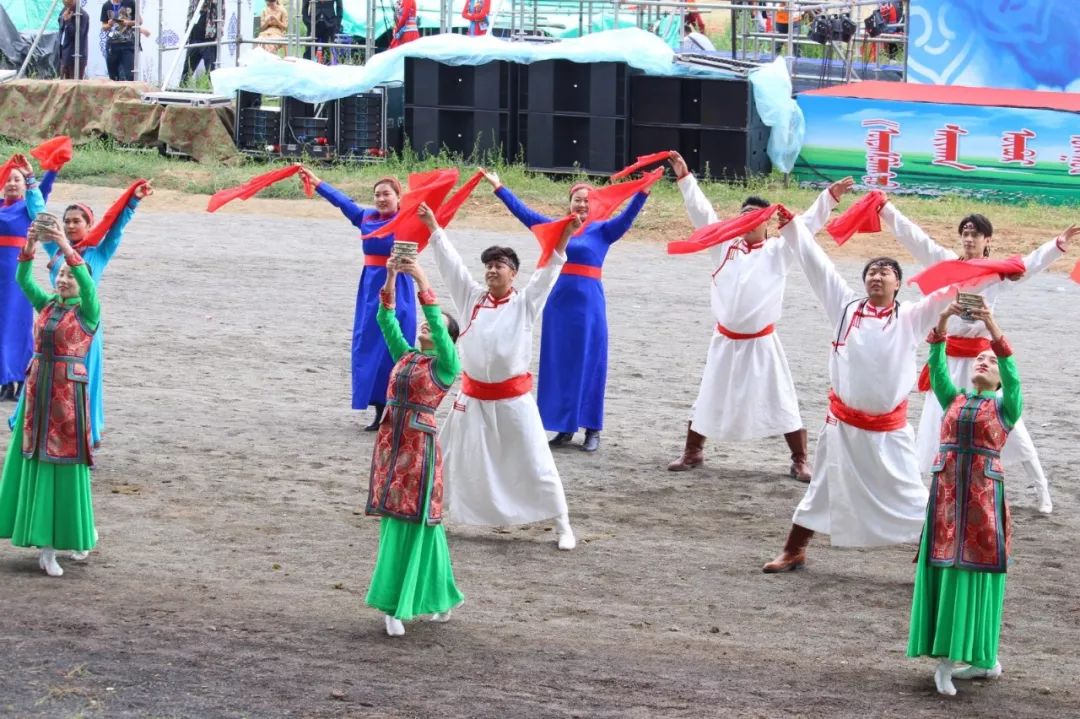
point(925, 251)
point(940, 380)
point(1012, 399)
point(387, 318)
point(818, 213)
point(1044, 255)
point(831, 289)
point(617, 226)
point(353, 212)
point(525, 214)
point(543, 279)
point(99, 256)
point(697, 205)
point(49, 176)
point(447, 364)
point(454, 272)
point(89, 307)
point(24, 274)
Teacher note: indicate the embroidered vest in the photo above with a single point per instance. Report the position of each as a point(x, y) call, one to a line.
point(407, 456)
point(968, 514)
point(56, 423)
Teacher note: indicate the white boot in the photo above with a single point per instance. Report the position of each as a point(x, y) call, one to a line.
point(971, 672)
point(47, 561)
point(441, 617)
point(567, 541)
point(394, 627)
point(1042, 488)
point(943, 678)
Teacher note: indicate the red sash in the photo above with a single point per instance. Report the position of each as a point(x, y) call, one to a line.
point(740, 336)
point(375, 260)
point(955, 347)
point(896, 419)
point(12, 241)
point(573, 268)
point(507, 389)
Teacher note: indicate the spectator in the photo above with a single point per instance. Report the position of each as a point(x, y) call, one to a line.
point(118, 23)
point(205, 30)
point(273, 23)
point(69, 19)
point(323, 20)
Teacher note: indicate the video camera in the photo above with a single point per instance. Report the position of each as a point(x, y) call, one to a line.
point(832, 27)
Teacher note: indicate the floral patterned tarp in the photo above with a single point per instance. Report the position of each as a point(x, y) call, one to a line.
point(34, 110)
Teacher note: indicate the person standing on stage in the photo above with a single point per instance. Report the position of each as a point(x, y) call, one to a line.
point(205, 30)
point(476, 12)
point(45, 486)
point(23, 199)
point(866, 489)
point(121, 32)
point(323, 19)
point(498, 464)
point(72, 19)
point(413, 574)
point(964, 553)
point(406, 28)
point(967, 339)
point(574, 334)
point(746, 389)
point(371, 361)
point(78, 221)
point(273, 24)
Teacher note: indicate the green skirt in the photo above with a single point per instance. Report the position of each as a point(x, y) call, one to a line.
point(413, 575)
point(955, 613)
point(44, 504)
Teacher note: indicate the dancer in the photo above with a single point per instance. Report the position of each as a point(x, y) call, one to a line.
point(405, 27)
point(498, 464)
point(78, 221)
point(45, 486)
point(968, 339)
point(23, 200)
point(413, 574)
point(960, 570)
point(746, 388)
point(574, 332)
point(866, 489)
point(371, 362)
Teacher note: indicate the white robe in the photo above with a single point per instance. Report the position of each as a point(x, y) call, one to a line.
point(746, 388)
point(1018, 447)
point(866, 488)
point(497, 466)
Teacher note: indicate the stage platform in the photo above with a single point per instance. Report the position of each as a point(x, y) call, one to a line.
point(1007, 145)
point(35, 110)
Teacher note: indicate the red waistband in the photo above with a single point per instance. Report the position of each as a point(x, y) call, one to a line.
point(573, 268)
point(12, 241)
point(896, 419)
point(507, 389)
point(966, 346)
point(375, 260)
point(740, 336)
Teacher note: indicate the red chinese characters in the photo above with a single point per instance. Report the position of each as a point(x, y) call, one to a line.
point(881, 159)
point(1014, 147)
point(947, 148)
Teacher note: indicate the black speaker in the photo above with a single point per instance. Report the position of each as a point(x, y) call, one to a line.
point(562, 86)
point(716, 153)
point(370, 125)
point(468, 133)
point(256, 130)
point(565, 143)
point(429, 83)
point(706, 102)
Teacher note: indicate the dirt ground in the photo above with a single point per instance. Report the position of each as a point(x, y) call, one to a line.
point(230, 575)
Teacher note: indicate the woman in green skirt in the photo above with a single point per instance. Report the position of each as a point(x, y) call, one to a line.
point(960, 571)
point(413, 575)
point(45, 485)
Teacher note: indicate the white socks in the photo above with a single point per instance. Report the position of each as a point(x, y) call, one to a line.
point(567, 541)
point(394, 627)
point(943, 678)
point(971, 672)
point(1042, 488)
point(47, 562)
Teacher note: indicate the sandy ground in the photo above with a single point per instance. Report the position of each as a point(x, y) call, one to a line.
point(231, 570)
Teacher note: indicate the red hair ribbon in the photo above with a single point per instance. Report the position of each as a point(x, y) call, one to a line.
point(256, 185)
point(863, 216)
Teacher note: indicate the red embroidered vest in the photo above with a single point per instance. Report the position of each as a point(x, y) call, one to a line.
point(56, 423)
point(968, 514)
point(407, 457)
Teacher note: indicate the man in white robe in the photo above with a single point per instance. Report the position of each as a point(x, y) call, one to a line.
point(497, 465)
point(746, 388)
point(967, 338)
point(866, 489)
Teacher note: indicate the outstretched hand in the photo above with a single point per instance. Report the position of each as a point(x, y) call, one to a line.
point(491, 177)
point(309, 175)
point(427, 216)
point(841, 187)
point(678, 165)
point(1067, 237)
point(22, 164)
point(144, 190)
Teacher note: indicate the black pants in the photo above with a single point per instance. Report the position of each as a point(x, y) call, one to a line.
point(324, 32)
point(206, 55)
point(67, 66)
point(120, 61)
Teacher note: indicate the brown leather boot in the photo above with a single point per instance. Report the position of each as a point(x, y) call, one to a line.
point(794, 554)
point(692, 455)
point(800, 466)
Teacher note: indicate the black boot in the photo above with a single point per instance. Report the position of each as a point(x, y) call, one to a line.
point(7, 391)
point(560, 439)
point(592, 440)
point(374, 426)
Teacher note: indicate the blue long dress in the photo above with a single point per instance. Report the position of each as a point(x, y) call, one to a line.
point(574, 333)
point(371, 362)
point(97, 258)
point(16, 314)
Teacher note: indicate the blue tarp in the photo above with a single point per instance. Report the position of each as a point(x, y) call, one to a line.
point(311, 82)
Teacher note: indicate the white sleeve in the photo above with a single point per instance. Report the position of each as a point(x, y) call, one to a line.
point(831, 289)
point(1042, 257)
point(454, 273)
point(541, 283)
point(697, 205)
point(818, 213)
point(925, 251)
point(925, 313)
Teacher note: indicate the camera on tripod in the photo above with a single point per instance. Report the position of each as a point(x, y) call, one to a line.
point(832, 27)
